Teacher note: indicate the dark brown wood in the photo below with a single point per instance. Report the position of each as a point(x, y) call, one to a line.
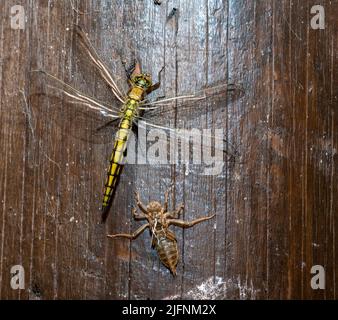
point(276, 204)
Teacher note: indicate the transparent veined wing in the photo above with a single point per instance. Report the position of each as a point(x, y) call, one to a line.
point(203, 150)
point(180, 130)
point(96, 61)
point(88, 118)
point(66, 102)
point(160, 140)
point(217, 92)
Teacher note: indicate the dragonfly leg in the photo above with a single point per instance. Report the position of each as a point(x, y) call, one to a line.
point(179, 210)
point(132, 236)
point(134, 129)
point(138, 216)
point(176, 213)
point(108, 124)
point(157, 84)
point(142, 207)
point(129, 69)
point(188, 224)
point(172, 13)
point(166, 199)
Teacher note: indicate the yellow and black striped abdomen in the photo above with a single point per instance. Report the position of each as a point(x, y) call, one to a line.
point(118, 154)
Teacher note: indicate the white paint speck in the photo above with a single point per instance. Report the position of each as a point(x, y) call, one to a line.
point(216, 288)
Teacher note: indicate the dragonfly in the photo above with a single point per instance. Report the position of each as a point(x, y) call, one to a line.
point(133, 105)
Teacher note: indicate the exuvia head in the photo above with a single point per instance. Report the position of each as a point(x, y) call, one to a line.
point(142, 80)
point(154, 207)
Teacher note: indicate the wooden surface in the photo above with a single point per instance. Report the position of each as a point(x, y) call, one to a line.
point(276, 205)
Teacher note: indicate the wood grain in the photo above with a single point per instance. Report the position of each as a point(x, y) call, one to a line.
point(276, 203)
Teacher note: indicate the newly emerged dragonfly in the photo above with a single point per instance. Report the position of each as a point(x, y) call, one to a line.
point(133, 104)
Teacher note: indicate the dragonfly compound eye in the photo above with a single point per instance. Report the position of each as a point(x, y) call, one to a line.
point(143, 81)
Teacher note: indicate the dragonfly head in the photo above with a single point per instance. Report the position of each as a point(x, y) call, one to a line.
point(142, 80)
point(154, 208)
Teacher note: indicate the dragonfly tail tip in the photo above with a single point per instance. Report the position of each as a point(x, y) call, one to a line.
point(104, 215)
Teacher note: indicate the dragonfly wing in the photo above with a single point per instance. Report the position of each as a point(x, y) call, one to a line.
point(98, 63)
point(196, 147)
point(211, 93)
point(203, 144)
point(87, 116)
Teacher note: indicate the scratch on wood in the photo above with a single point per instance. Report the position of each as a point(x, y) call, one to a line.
point(27, 113)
